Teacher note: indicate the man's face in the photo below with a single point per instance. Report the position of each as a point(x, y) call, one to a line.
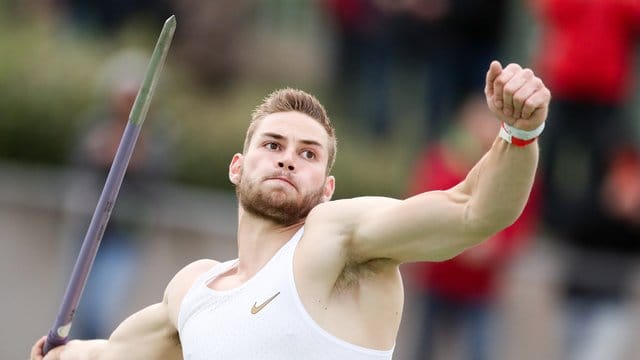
point(282, 174)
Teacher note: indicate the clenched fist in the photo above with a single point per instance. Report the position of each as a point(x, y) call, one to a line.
point(516, 96)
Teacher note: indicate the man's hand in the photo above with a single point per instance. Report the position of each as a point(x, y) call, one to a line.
point(73, 350)
point(36, 351)
point(516, 96)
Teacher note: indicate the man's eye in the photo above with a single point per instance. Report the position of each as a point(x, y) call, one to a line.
point(273, 146)
point(308, 154)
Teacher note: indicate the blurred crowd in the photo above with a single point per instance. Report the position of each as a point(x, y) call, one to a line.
point(586, 198)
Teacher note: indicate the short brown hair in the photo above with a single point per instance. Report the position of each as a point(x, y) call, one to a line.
point(288, 99)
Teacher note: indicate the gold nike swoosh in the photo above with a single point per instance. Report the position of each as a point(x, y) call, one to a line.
point(255, 309)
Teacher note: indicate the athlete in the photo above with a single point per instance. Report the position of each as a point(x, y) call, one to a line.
point(319, 279)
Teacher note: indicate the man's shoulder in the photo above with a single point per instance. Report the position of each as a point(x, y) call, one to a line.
point(347, 210)
point(188, 274)
point(182, 282)
point(330, 229)
point(199, 265)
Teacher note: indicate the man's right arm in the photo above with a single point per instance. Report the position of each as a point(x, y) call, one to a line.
point(147, 334)
point(151, 333)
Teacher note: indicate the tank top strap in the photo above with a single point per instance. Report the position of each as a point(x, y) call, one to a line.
point(291, 245)
point(197, 289)
point(216, 270)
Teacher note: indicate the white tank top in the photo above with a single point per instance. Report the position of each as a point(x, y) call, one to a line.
point(260, 319)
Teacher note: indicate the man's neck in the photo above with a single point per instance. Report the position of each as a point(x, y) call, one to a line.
point(258, 241)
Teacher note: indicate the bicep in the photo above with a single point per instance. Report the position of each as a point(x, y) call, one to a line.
point(431, 226)
point(152, 332)
point(146, 334)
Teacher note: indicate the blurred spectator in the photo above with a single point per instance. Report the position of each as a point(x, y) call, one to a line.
point(363, 60)
point(586, 57)
point(460, 293)
point(601, 269)
point(211, 38)
point(456, 40)
point(109, 16)
point(621, 192)
point(117, 261)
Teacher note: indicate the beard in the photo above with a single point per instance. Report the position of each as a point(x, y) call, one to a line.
point(275, 205)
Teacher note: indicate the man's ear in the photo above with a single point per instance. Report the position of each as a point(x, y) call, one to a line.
point(235, 168)
point(329, 188)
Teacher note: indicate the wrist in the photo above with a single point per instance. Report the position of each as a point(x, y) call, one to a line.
point(520, 137)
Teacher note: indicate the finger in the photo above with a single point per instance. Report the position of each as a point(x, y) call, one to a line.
point(494, 70)
point(36, 350)
point(523, 93)
point(54, 354)
point(537, 100)
point(518, 80)
point(501, 81)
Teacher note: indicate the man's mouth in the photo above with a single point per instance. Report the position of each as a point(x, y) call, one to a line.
point(284, 179)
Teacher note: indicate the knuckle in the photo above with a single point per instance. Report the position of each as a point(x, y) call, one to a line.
point(517, 85)
point(532, 102)
point(510, 88)
point(526, 107)
point(519, 98)
point(514, 66)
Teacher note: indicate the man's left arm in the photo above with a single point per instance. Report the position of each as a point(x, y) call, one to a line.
point(438, 225)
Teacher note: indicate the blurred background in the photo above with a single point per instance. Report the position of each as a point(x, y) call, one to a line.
point(402, 81)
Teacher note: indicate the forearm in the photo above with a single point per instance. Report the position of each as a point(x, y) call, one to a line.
point(147, 334)
point(499, 186)
point(85, 349)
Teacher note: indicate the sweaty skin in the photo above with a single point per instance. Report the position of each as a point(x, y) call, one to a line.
point(346, 265)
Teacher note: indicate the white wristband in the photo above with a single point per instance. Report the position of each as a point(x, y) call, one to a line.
point(519, 137)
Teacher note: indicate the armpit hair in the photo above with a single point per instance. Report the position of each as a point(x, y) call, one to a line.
point(354, 272)
point(175, 338)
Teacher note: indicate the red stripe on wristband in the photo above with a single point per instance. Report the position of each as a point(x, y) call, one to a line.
point(522, 143)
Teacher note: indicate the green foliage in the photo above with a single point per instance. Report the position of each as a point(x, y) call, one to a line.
point(43, 82)
point(49, 82)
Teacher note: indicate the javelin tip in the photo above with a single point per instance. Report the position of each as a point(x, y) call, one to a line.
point(171, 21)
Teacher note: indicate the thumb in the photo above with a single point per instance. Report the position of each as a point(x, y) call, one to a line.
point(495, 69)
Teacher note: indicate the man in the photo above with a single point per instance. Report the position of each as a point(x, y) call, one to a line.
point(319, 279)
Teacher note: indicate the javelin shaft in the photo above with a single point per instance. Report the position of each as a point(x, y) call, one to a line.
point(59, 333)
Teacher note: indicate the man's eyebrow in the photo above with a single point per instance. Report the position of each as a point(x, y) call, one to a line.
point(311, 142)
point(273, 135)
point(281, 137)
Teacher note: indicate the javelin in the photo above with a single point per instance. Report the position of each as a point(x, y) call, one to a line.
point(59, 333)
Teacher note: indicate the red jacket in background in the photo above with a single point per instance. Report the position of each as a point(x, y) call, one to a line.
point(587, 47)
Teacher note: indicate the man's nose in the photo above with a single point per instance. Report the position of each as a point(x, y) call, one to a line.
point(287, 164)
point(287, 159)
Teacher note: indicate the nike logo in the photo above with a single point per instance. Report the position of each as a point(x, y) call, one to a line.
point(256, 308)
